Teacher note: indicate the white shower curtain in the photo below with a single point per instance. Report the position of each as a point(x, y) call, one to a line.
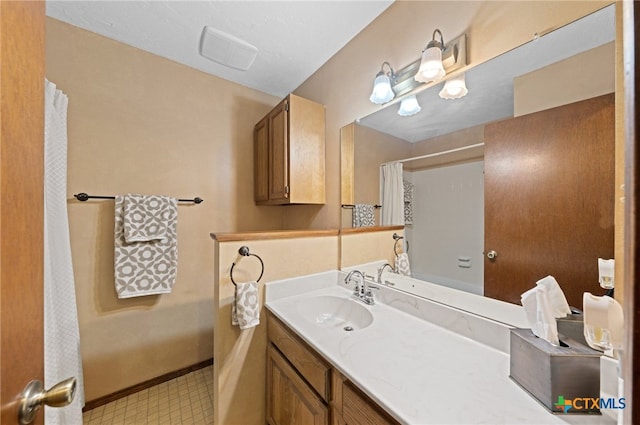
point(392, 195)
point(61, 334)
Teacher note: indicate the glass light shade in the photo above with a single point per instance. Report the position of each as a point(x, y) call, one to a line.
point(409, 106)
point(431, 68)
point(382, 92)
point(454, 88)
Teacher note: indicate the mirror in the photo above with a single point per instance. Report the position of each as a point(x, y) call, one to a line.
point(573, 63)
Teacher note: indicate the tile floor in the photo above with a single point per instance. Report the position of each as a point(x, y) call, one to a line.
point(186, 400)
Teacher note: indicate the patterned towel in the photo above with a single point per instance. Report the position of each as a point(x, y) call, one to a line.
point(408, 202)
point(402, 264)
point(245, 309)
point(146, 218)
point(145, 268)
point(363, 215)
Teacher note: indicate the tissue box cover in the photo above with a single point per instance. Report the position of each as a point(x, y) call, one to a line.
point(563, 379)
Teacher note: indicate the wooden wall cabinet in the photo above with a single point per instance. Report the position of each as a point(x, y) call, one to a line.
point(302, 388)
point(289, 154)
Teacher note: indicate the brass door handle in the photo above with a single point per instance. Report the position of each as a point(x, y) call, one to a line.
point(35, 396)
point(492, 255)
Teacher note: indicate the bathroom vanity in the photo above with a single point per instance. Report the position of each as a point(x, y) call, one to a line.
point(405, 359)
point(304, 388)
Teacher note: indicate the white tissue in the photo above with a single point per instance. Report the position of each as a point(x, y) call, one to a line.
point(540, 314)
point(555, 296)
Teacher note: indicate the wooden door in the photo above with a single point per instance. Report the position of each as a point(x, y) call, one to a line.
point(549, 199)
point(261, 161)
point(21, 200)
point(279, 164)
point(289, 399)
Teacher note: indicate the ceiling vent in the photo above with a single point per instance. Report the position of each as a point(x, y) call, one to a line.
point(226, 49)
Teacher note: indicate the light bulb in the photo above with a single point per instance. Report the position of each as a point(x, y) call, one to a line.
point(409, 106)
point(382, 92)
point(454, 88)
point(431, 68)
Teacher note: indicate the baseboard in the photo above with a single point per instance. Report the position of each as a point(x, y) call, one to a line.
point(144, 385)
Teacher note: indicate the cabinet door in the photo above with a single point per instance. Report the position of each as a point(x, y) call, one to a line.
point(279, 159)
point(289, 399)
point(261, 160)
point(549, 199)
point(357, 409)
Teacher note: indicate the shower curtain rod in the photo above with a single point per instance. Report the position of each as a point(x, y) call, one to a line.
point(430, 155)
point(83, 197)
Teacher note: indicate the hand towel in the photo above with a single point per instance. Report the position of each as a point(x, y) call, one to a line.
point(145, 268)
point(245, 309)
point(363, 215)
point(408, 202)
point(402, 264)
point(146, 217)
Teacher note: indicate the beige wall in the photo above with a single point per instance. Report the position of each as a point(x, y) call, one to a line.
point(374, 147)
point(140, 123)
point(362, 248)
point(371, 147)
point(583, 76)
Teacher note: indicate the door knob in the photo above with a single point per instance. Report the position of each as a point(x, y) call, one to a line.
point(492, 255)
point(34, 396)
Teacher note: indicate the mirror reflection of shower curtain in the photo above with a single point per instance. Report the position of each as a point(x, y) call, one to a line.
point(61, 332)
point(392, 194)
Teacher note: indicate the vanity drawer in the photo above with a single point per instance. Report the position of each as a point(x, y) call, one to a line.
point(312, 368)
point(358, 409)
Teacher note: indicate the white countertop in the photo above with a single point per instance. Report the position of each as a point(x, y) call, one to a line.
point(419, 372)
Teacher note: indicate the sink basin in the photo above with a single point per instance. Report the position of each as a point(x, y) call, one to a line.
point(335, 312)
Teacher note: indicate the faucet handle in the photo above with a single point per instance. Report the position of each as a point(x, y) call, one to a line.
point(369, 288)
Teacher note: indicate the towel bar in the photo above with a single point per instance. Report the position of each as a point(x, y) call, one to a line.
point(84, 197)
point(351, 206)
point(244, 251)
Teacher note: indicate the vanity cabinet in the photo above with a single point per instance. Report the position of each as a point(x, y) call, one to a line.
point(289, 154)
point(303, 388)
point(290, 399)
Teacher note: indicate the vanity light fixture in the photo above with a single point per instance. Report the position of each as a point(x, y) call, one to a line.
point(431, 67)
point(409, 106)
point(382, 91)
point(390, 84)
point(454, 88)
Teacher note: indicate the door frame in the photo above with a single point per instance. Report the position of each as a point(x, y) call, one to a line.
point(22, 59)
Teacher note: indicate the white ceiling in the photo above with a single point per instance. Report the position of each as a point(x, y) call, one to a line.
point(490, 84)
point(294, 38)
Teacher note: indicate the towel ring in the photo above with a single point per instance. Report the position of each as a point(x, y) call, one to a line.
point(244, 251)
point(396, 237)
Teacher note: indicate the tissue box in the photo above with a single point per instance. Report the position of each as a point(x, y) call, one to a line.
point(563, 379)
point(572, 326)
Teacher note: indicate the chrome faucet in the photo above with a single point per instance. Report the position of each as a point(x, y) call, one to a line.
point(381, 270)
point(362, 290)
point(358, 288)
